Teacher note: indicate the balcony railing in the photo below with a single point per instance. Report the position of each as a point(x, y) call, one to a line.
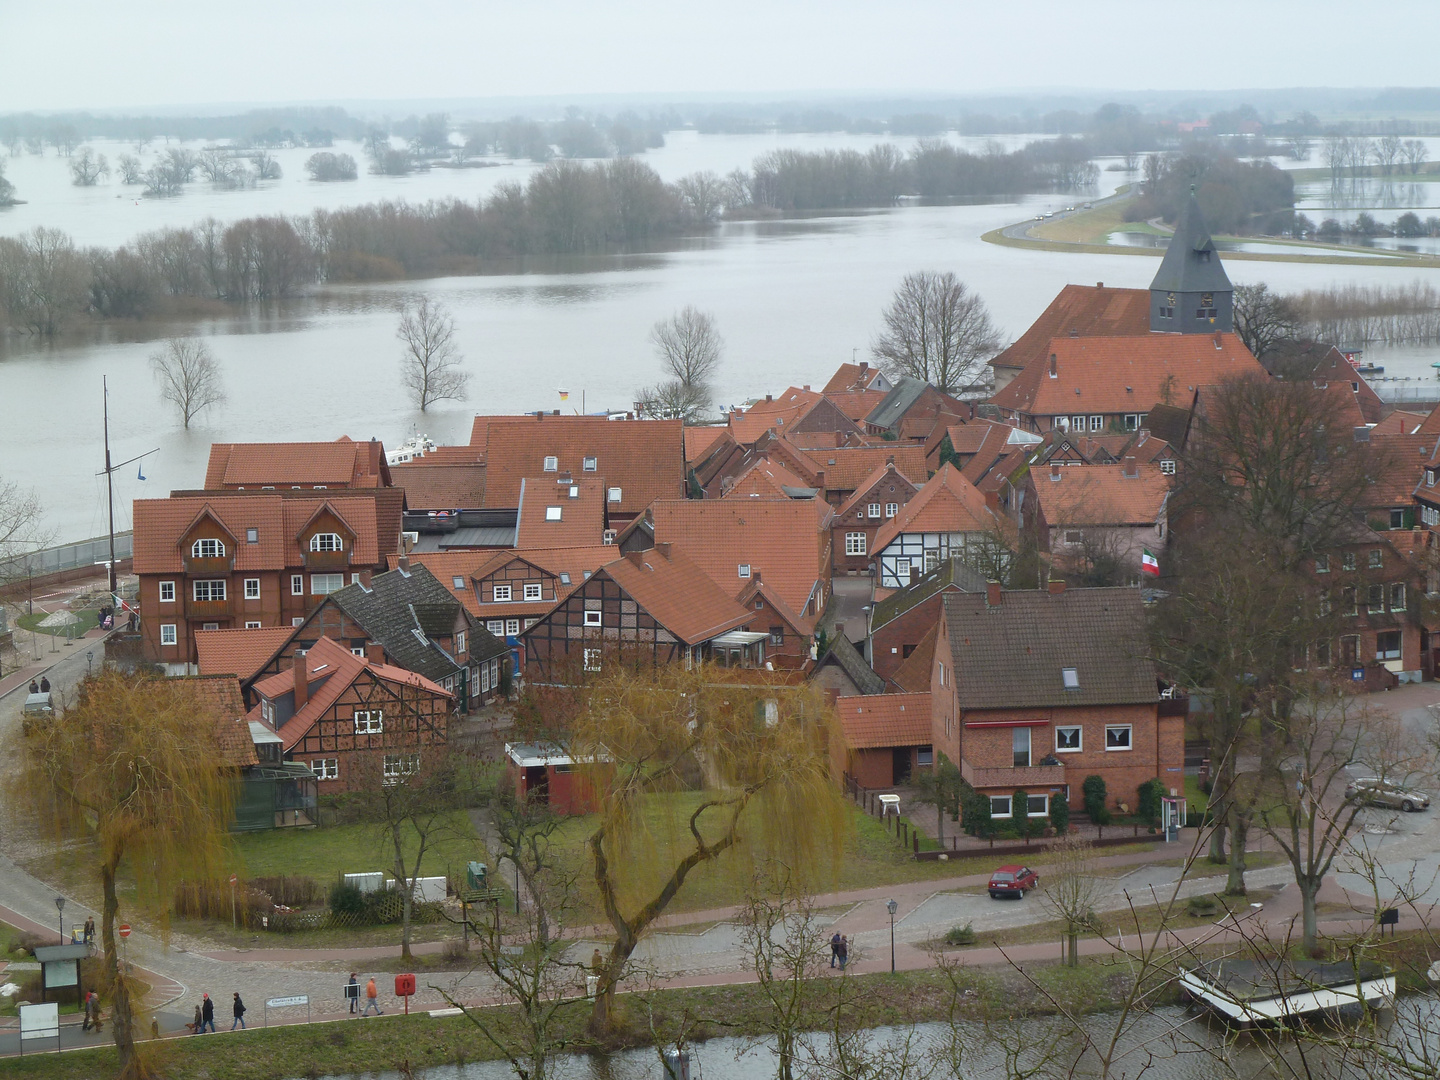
point(1030, 777)
point(224, 564)
point(207, 609)
point(327, 560)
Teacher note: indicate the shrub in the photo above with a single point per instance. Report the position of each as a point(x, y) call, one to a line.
point(960, 935)
point(975, 813)
point(290, 890)
point(1202, 905)
point(1093, 791)
point(347, 899)
point(1060, 813)
point(1150, 795)
point(454, 950)
point(27, 942)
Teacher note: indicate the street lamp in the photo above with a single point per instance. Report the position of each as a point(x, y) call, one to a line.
point(60, 907)
point(891, 906)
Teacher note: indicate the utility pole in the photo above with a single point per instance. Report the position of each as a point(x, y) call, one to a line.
point(109, 473)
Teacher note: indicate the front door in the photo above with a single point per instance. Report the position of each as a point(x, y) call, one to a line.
point(901, 766)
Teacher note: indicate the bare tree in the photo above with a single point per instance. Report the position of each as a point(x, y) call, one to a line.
point(672, 400)
point(7, 189)
point(1263, 319)
point(1414, 153)
point(1300, 146)
point(689, 346)
point(430, 363)
point(1071, 890)
point(1387, 153)
point(266, 167)
point(88, 167)
point(189, 376)
point(936, 330)
point(21, 531)
point(43, 280)
point(703, 194)
point(130, 170)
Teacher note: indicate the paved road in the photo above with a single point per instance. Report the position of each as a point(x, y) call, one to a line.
point(1021, 229)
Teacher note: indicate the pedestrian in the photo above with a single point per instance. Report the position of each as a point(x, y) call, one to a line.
point(95, 998)
point(34, 687)
point(194, 1025)
point(90, 930)
point(239, 1013)
point(44, 685)
point(844, 951)
point(154, 1028)
point(597, 963)
point(207, 1013)
point(352, 991)
point(834, 949)
point(134, 621)
point(371, 999)
point(89, 1011)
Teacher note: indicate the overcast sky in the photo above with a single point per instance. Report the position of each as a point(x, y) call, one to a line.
point(104, 54)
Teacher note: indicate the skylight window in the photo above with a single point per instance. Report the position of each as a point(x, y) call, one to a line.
point(552, 513)
point(589, 464)
point(552, 463)
point(1070, 677)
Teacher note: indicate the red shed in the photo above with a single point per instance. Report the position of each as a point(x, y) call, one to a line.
point(545, 773)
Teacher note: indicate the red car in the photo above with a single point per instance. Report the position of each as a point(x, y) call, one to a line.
point(1012, 881)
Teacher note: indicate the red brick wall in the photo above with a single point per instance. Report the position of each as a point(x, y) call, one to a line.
point(888, 643)
point(873, 768)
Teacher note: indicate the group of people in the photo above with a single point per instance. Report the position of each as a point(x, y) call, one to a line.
point(372, 996)
point(42, 687)
point(839, 951)
point(205, 1015)
point(92, 1012)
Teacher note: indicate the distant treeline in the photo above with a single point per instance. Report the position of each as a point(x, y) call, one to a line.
point(1363, 314)
point(1235, 196)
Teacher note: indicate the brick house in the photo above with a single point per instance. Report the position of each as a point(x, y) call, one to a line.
point(842, 671)
point(798, 409)
point(332, 707)
point(887, 737)
point(910, 410)
point(876, 500)
point(850, 378)
point(313, 466)
point(561, 511)
point(947, 517)
point(1076, 311)
point(1035, 690)
point(213, 562)
point(1112, 512)
point(900, 621)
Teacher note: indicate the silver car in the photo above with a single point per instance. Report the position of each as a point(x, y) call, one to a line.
point(1377, 792)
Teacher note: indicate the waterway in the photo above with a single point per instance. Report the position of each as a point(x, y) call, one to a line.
point(793, 299)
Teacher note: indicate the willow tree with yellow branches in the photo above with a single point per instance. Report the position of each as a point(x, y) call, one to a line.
point(133, 768)
point(705, 767)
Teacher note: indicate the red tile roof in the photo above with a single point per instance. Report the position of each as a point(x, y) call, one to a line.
point(772, 414)
point(948, 503)
point(1404, 458)
point(913, 674)
point(699, 441)
point(803, 625)
point(1400, 422)
point(847, 467)
point(579, 504)
point(1124, 374)
point(676, 593)
point(767, 479)
point(160, 525)
point(338, 464)
point(1089, 312)
point(474, 566)
point(862, 489)
point(851, 377)
point(882, 720)
point(220, 694)
point(856, 404)
point(645, 459)
point(435, 485)
point(780, 539)
point(238, 652)
point(1101, 495)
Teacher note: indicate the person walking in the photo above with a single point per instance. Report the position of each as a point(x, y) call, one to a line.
point(207, 1014)
point(89, 1011)
point(844, 951)
point(239, 1010)
point(834, 949)
point(352, 991)
point(44, 685)
point(194, 1025)
point(372, 999)
point(90, 930)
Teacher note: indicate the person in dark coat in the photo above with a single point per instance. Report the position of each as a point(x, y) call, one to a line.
point(207, 1014)
point(834, 949)
point(44, 685)
point(239, 1010)
point(34, 687)
point(352, 991)
point(194, 1024)
point(844, 951)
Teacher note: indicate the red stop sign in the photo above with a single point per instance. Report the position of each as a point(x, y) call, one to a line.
point(124, 929)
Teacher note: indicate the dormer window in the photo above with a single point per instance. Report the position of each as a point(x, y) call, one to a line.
point(207, 549)
point(326, 542)
point(552, 463)
point(590, 464)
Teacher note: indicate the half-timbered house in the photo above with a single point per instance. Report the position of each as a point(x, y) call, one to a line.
point(947, 518)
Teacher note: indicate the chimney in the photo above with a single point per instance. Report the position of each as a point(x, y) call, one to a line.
point(1217, 342)
point(664, 550)
point(807, 387)
point(1074, 331)
point(820, 479)
point(1130, 468)
point(1054, 370)
point(403, 565)
point(374, 652)
point(1054, 471)
point(864, 367)
point(1057, 586)
point(554, 412)
point(302, 683)
point(992, 594)
point(889, 459)
point(914, 573)
point(539, 414)
point(1099, 284)
point(992, 500)
point(769, 397)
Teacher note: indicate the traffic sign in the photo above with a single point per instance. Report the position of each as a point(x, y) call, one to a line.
point(124, 929)
point(233, 879)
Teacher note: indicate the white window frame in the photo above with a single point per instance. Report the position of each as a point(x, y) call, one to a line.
point(1079, 746)
point(394, 766)
point(1070, 678)
point(167, 634)
point(552, 463)
point(167, 587)
point(592, 659)
point(873, 510)
point(1001, 814)
point(211, 585)
point(1167, 466)
point(325, 768)
point(512, 627)
point(502, 594)
point(198, 549)
point(891, 509)
point(358, 650)
point(484, 678)
point(1029, 751)
point(589, 464)
point(369, 721)
point(613, 495)
point(253, 624)
point(1129, 730)
point(457, 583)
point(315, 580)
point(743, 570)
point(594, 618)
point(1097, 422)
point(297, 620)
point(460, 642)
point(1044, 810)
point(855, 543)
point(326, 541)
point(534, 590)
point(252, 588)
point(1397, 590)
point(297, 584)
point(252, 535)
point(553, 513)
point(495, 626)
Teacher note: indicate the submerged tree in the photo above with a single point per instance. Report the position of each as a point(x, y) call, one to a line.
point(430, 363)
point(692, 767)
point(134, 768)
point(689, 349)
point(189, 376)
point(1263, 318)
point(936, 330)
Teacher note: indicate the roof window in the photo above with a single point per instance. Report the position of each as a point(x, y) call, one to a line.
point(574, 491)
point(252, 536)
point(613, 495)
point(1070, 677)
point(744, 569)
point(458, 582)
point(590, 464)
point(564, 577)
point(552, 513)
point(552, 463)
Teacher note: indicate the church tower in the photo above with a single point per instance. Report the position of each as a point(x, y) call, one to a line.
point(1191, 294)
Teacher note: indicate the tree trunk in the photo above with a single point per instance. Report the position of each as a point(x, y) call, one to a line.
point(1218, 854)
point(1309, 889)
point(1074, 939)
point(1239, 828)
point(122, 1020)
point(402, 882)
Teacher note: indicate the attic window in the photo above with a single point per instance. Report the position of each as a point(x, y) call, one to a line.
point(458, 582)
point(744, 569)
point(564, 577)
point(613, 495)
point(552, 463)
point(1070, 677)
point(574, 491)
point(252, 536)
point(589, 464)
point(420, 636)
point(552, 513)
point(326, 542)
point(207, 549)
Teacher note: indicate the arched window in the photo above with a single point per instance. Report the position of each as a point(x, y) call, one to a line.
point(326, 542)
point(207, 549)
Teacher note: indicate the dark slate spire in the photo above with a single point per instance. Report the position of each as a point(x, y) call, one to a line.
point(1191, 293)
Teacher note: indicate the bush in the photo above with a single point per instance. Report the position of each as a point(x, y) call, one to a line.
point(975, 812)
point(1150, 795)
point(1093, 791)
point(1060, 813)
point(290, 890)
point(347, 899)
point(454, 950)
point(27, 942)
point(960, 935)
point(1199, 906)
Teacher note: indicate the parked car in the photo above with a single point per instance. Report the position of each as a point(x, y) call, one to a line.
point(1379, 792)
point(1012, 881)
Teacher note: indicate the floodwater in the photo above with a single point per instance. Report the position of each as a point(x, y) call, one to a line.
point(793, 299)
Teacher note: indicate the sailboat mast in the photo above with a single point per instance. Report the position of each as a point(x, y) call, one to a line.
point(109, 481)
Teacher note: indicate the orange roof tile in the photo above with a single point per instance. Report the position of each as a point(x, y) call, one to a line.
point(645, 459)
point(774, 413)
point(1404, 458)
point(435, 485)
point(1088, 312)
point(881, 720)
point(862, 489)
point(238, 652)
point(1400, 422)
point(847, 467)
point(160, 524)
point(913, 674)
point(1101, 495)
point(1124, 374)
point(779, 539)
point(849, 377)
point(804, 625)
point(338, 464)
point(557, 515)
point(699, 441)
point(856, 404)
point(948, 503)
point(767, 479)
point(676, 593)
point(220, 694)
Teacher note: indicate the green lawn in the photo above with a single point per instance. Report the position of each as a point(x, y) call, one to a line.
point(89, 619)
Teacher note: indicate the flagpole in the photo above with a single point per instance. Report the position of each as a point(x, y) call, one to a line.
point(109, 480)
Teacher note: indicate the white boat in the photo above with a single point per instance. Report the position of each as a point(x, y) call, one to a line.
point(1249, 993)
point(417, 446)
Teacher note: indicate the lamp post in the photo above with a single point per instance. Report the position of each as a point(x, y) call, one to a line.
point(60, 907)
point(891, 906)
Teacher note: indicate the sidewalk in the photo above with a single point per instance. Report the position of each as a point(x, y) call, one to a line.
point(52, 654)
